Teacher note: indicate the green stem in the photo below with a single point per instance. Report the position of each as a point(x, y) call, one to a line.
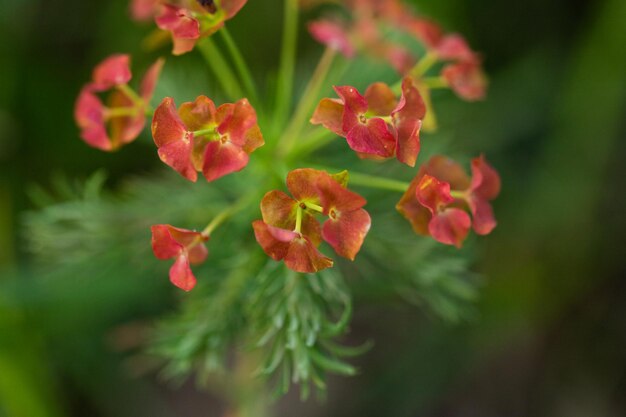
point(309, 99)
point(225, 215)
point(130, 93)
point(298, 220)
point(121, 112)
point(319, 138)
point(418, 70)
point(371, 181)
point(314, 207)
point(240, 65)
point(220, 68)
point(459, 195)
point(435, 82)
point(287, 62)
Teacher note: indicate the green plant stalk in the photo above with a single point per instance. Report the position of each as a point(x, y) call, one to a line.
point(220, 68)
point(287, 62)
point(309, 98)
point(240, 65)
point(371, 181)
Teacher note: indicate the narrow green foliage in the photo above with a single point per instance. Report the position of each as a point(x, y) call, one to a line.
point(296, 317)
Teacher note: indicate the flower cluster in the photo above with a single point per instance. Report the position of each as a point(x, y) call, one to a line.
point(201, 137)
point(435, 201)
point(122, 119)
point(384, 122)
point(462, 69)
point(289, 230)
point(376, 125)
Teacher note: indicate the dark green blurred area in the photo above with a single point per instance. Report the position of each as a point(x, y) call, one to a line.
point(550, 336)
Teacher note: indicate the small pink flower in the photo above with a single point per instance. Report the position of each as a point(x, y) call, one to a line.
point(289, 230)
point(376, 125)
point(186, 246)
point(188, 24)
point(435, 201)
point(201, 137)
point(466, 79)
point(118, 122)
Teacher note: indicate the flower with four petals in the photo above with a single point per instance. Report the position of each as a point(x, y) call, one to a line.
point(186, 246)
point(435, 201)
point(201, 137)
point(289, 230)
point(190, 22)
point(376, 125)
point(121, 120)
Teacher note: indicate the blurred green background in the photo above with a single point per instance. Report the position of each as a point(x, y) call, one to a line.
point(549, 336)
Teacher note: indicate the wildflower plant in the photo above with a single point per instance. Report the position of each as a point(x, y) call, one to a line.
point(278, 189)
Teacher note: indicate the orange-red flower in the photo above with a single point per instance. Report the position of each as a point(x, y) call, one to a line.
point(435, 201)
point(190, 22)
point(201, 137)
point(186, 246)
point(289, 230)
point(119, 121)
point(376, 124)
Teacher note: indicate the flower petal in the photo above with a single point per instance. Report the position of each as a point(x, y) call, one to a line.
point(380, 99)
point(450, 226)
point(485, 179)
point(114, 70)
point(303, 184)
point(178, 155)
point(372, 138)
point(407, 118)
point(483, 220)
point(355, 105)
point(273, 240)
point(333, 35)
point(302, 256)
point(329, 113)
point(433, 194)
point(164, 245)
point(279, 210)
point(236, 121)
point(181, 275)
point(454, 47)
point(167, 127)
point(446, 170)
point(222, 159)
point(346, 232)
point(179, 21)
point(466, 79)
point(149, 81)
point(89, 115)
point(198, 114)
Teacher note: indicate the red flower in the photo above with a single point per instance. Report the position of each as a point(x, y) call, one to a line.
point(186, 246)
point(376, 124)
point(188, 24)
point(122, 119)
point(334, 35)
point(440, 191)
point(200, 137)
point(289, 230)
point(466, 79)
point(144, 10)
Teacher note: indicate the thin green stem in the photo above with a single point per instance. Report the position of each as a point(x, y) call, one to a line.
point(371, 181)
point(422, 66)
point(459, 195)
point(203, 132)
point(240, 64)
point(225, 215)
point(298, 220)
point(120, 112)
point(287, 62)
point(306, 104)
point(130, 93)
point(319, 138)
point(220, 68)
point(435, 82)
point(314, 207)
